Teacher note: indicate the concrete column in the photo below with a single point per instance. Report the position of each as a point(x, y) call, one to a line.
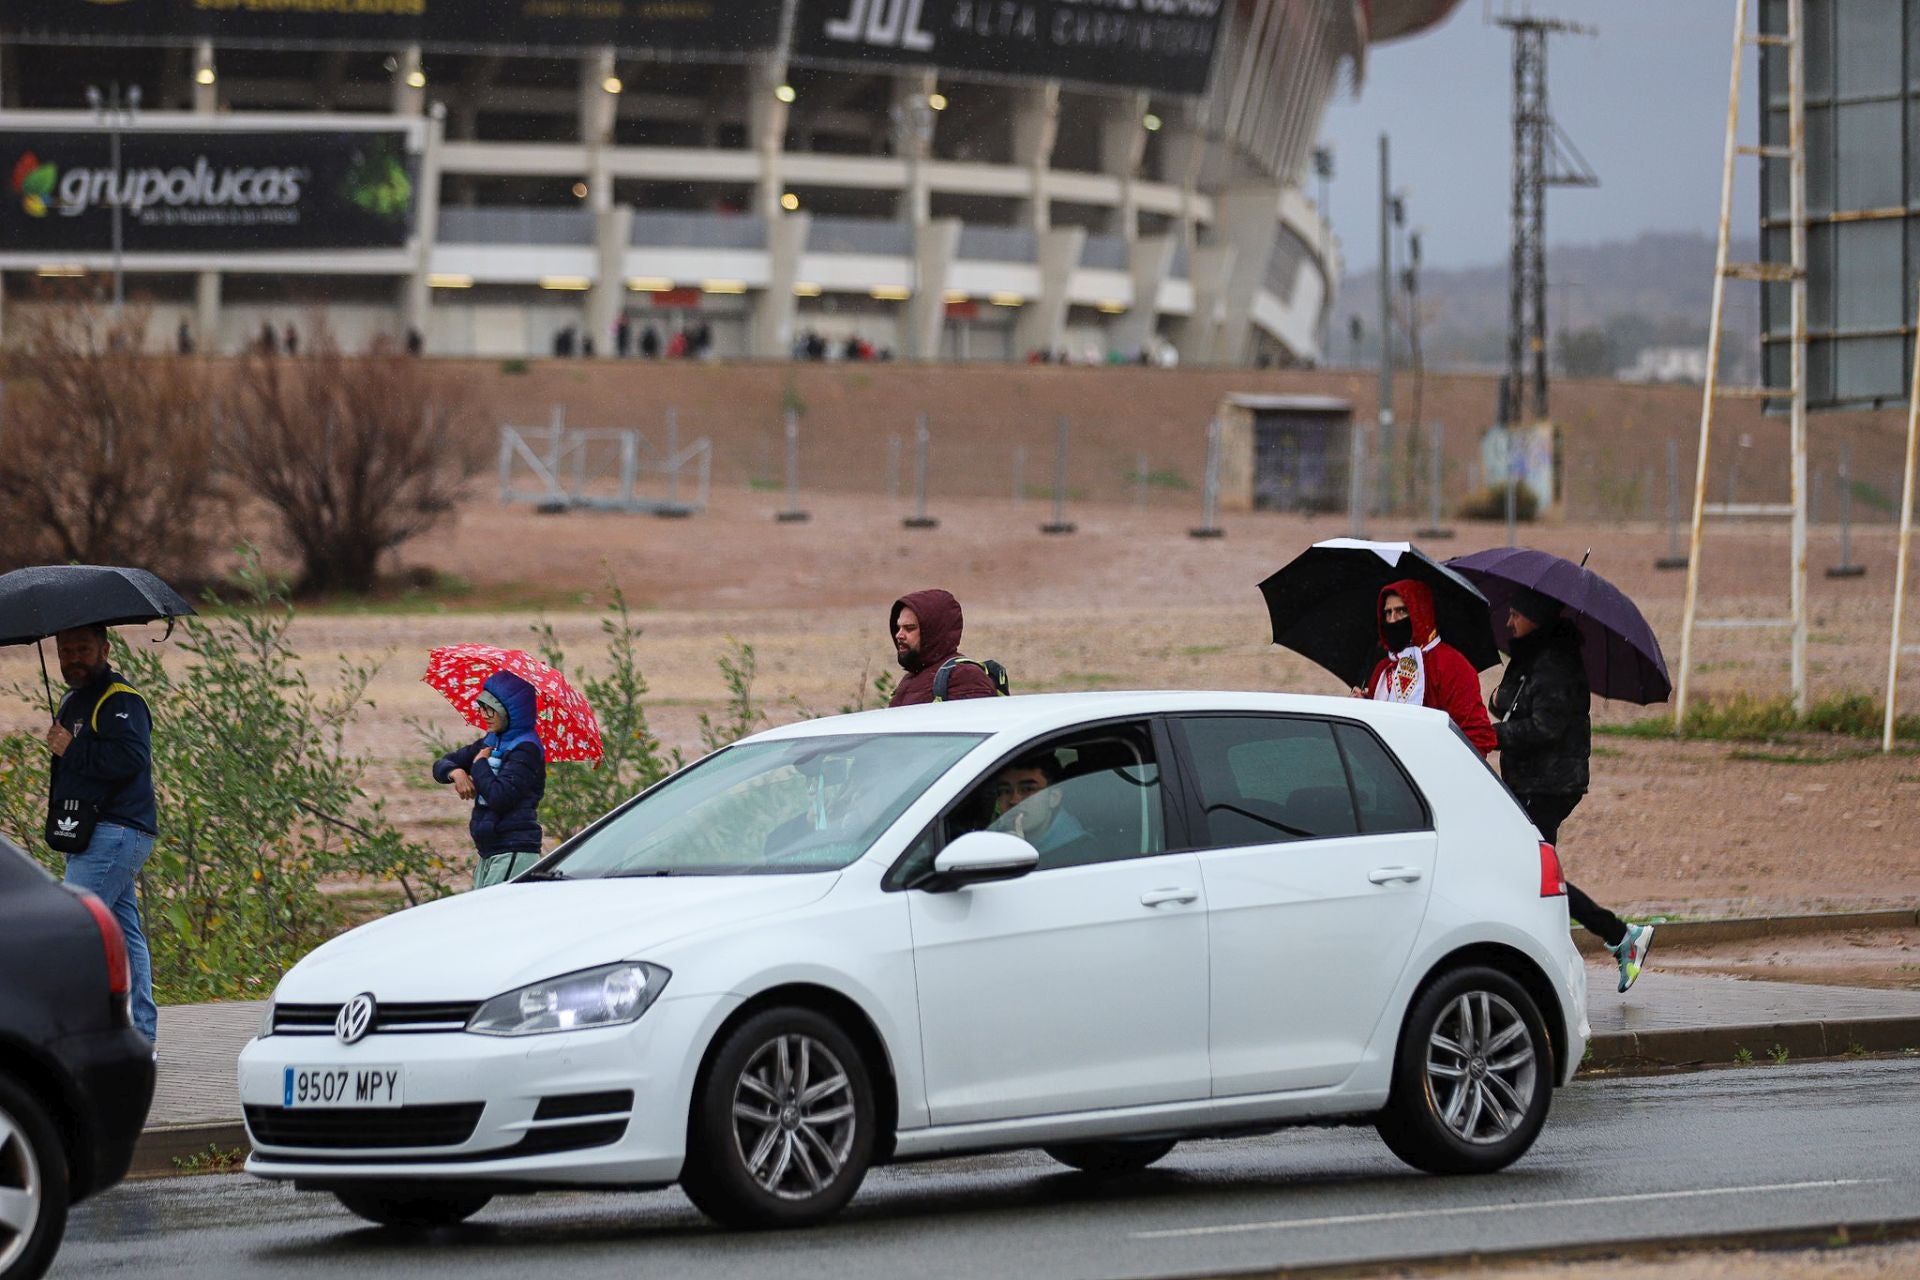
point(408, 99)
point(597, 106)
point(1036, 126)
point(1123, 141)
point(613, 229)
point(773, 311)
point(1248, 218)
point(1209, 270)
point(767, 134)
point(206, 97)
point(416, 297)
point(1149, 260)
point(206, 313)
point(910, 93)
point(935, 245)
point(1043, 321)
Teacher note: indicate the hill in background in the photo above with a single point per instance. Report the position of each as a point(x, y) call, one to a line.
point(1606, 303)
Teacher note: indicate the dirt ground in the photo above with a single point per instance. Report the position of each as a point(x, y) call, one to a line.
point(1130, 601)
point(1887, 958)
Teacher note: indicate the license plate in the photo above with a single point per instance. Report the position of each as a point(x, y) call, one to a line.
point(372, 1086)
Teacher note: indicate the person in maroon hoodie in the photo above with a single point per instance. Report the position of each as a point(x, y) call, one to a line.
point(925, 629)
point(1422, 668)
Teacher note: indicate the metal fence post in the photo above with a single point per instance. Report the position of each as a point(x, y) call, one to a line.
point(920, 519)
point(1436, 447)
point(1513, 482)
point(893, 466)
point(1673, 559)
point(1140, 479)
point(1356, 480)
point(1019, 473)
point(793, 514)
point(1846, 568)
point(673, 453)
point(1211, 492)
point(1059, 523)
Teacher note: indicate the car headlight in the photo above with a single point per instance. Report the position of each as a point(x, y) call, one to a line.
point(609, 996)
point(266, 1019)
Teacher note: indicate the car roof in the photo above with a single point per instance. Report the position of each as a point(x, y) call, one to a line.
point(1031, 713)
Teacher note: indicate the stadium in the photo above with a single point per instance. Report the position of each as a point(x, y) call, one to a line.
point(1112, 180)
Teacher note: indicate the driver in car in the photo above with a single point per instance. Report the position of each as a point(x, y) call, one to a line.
point(1028, 802)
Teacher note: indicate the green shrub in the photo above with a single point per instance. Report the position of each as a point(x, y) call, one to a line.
point(260, 801)
point(1745, 718)
point(1491, 504)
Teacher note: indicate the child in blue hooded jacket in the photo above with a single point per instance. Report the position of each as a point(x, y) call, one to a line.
point(505, 775)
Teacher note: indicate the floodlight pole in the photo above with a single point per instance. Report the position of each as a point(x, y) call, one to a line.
point(114, 112)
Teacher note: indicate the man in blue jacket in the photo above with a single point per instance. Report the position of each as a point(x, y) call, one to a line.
point(102, 776)
point(505, 775)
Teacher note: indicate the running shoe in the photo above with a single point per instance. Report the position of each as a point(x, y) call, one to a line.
point(1632, 953)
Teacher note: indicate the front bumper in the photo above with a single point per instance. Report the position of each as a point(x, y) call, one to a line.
point(113, 1074)
point(584, 1134)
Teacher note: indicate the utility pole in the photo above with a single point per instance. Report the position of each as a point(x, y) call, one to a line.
point(1385, 451)
point(1543, 157)
point(116, 112)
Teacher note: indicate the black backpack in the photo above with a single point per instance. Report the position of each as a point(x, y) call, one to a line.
point(996, 673)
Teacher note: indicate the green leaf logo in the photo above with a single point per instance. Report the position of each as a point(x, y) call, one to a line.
point(34, 182)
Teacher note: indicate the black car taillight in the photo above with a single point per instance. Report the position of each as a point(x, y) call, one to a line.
point(119, 980)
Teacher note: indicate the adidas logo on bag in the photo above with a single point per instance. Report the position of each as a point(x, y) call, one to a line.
point(67, 826)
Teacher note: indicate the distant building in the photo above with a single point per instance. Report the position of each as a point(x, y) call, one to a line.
point(1668, 364)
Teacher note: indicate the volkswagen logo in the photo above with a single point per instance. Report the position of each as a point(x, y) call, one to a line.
point(356, 1018)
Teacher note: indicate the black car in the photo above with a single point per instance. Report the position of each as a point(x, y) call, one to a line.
point(75, 1078)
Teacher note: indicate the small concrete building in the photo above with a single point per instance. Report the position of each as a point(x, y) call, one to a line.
point(1284, 452)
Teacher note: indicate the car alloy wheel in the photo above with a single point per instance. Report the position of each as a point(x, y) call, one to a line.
point(33, 1185)
point(794, 1122)
point(1481, 1068)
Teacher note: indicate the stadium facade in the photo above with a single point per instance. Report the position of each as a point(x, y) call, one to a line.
point(961, 179)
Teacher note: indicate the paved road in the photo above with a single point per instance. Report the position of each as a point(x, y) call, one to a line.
point(1715, 1151)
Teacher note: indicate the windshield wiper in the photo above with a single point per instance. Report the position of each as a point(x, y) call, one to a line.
point(554, 874)
point(637, 873)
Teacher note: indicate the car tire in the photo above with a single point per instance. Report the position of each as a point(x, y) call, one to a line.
point(782, 1129)
point(1473, 1076)
point(415, 1207)
point(33, 1162)
point(1111, 1159)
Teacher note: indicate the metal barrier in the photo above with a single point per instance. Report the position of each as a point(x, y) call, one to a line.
point(573, 469)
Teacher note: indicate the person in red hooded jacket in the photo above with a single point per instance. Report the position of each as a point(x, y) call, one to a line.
point(1422, 668)
point(925, 629)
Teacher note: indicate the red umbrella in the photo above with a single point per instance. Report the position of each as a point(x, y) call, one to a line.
point(567, 726)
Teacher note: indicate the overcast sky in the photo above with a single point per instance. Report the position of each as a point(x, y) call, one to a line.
point(1645, 102)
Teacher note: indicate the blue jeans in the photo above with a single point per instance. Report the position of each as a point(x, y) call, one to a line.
point(108, 869)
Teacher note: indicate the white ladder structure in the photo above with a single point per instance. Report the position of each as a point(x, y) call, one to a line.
point(1793, 273)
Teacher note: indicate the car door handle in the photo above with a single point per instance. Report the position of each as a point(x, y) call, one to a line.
point(1161, 897)
point(1387, 875)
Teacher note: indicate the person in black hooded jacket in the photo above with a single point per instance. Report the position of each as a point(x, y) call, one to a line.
point(1546, 739)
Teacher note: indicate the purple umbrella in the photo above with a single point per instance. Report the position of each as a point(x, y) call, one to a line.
point(1623, 658)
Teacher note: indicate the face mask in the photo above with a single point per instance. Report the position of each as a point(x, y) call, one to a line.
point(1399, 634)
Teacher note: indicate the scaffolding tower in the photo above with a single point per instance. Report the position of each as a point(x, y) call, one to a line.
point(1792, 273)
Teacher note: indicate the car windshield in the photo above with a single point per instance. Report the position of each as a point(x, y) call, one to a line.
point(803, 804)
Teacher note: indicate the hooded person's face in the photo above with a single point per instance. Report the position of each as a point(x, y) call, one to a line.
point(1520, 624)
point(906, 639)
point(1396, 622)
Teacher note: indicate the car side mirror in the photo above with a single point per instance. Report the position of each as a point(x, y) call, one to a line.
point(980, 857)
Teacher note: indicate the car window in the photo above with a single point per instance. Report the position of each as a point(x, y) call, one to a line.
point(1086, 797)
point(798, 804)
point(1266, 779)
point(1381, 792)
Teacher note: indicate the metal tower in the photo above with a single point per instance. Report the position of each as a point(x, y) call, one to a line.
point(1543, 157)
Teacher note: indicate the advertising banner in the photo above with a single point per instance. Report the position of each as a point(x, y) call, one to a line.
point(1163, 45)
point(708, 25)
point(203, 192)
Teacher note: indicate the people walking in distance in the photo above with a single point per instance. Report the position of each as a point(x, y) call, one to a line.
point(102, 814)
point(505, 775)
point(291, 340)
point(1546, 739)
point(1421, 668)
point(269, 343)
point(925, 629)
point(183, 339)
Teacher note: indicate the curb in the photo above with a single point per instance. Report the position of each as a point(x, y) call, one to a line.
point(1873, 1231)
point(1719, 1046)
point(1705, 933)
point(154, 1154)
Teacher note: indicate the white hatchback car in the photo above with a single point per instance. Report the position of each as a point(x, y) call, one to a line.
point(1098, 924)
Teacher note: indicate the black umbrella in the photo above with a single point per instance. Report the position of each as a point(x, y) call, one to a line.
point(47, 599)
point(1620, 651)
point(1324, 605)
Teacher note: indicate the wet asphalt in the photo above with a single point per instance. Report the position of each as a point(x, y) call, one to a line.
point(1729, 1150)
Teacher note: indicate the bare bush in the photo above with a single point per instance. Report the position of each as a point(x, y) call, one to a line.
point(105, 454)
point(354, 454)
